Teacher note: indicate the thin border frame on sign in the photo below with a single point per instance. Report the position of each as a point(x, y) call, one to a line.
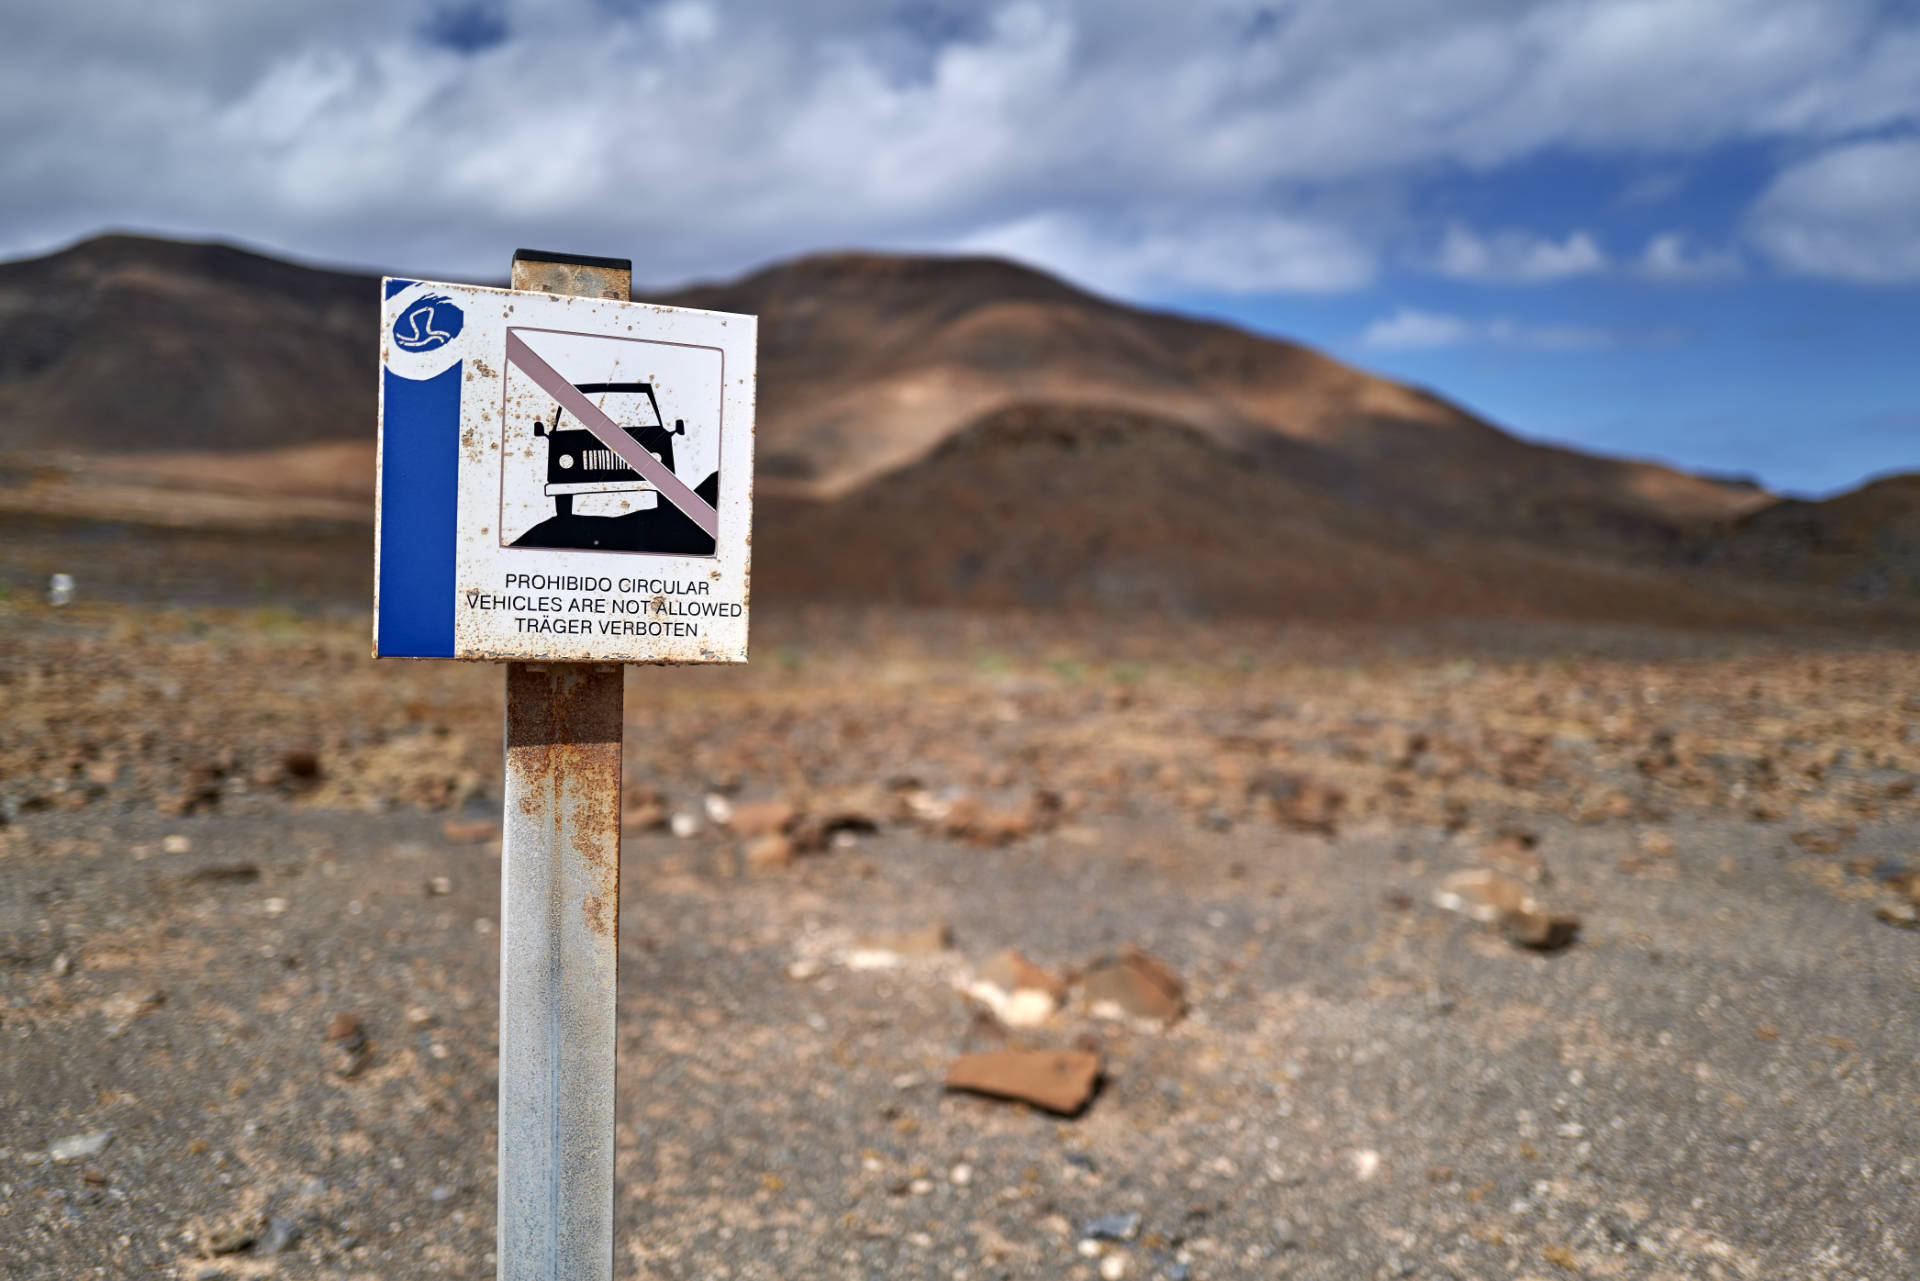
point(719, 446)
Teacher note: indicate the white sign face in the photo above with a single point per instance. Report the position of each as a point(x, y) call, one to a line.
point(562, 479)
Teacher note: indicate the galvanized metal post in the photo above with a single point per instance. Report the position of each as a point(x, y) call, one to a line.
point(560, 929)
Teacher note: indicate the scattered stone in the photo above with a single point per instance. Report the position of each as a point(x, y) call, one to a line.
point(1540, 930)
point(1903, 914)
point(300, 767)
point(1113, 1267)
point(824, 817)
point(884, 951)
point(1298, 801)
point(769, 852)
point(274, 906)
point(1058, 1081)
point(62, 965)
point(684, 824)
point(76, 1147)
point(1483, 894)
point(969, 819)
point(175, 844)
point(1133, 985)
point(223, 873)
point(351, 1050)
point(762, 818)
point(469, 831)
point(1816, 841)
point(95, 1176)
point(719, 809)
point(1111, 1227)
point(1366, 1164)
point(1656, 845)
point(281, 1235)
point(1019, 993)
point(231, 1238)
point(439, 885)
point(122, 1008)
point(646, 814)
point(1516, 853)
point(1494, 898)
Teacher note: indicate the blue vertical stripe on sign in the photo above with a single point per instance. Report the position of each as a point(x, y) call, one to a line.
point(419, 502)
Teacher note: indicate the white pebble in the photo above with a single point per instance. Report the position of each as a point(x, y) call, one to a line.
point(1113, 1267)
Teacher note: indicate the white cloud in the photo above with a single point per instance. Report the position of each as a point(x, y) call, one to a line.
point(1244, 255)
point(1517, 257)
point(1667, 258)
point(701, 135)
point(1852, 213)
point(1410, 329)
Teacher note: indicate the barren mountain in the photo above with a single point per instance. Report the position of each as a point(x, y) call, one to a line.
point(869, 362)
point(944, 430)
point(129, 344)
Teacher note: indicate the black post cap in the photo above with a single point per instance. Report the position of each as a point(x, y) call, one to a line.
point(574, 260)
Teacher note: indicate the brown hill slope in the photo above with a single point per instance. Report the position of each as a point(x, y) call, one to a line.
point(869, 362)
point(1043, 506)
point(126, 343)
point(1863, 544)
point(912, 419)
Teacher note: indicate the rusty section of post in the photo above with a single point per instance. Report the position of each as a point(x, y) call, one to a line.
point(574, 274)
point(559, 931)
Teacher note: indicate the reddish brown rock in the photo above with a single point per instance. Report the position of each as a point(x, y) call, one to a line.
point(1133, 985)
point(1299, 801)
point(857, 809)
point(644, 816)
point(1543, 931)
point(1483, 894)
point(762, 818)
point(1008, 970)
point(769, 853)
point(1019, 993)
point(469, 831)
point(882, 951)
point(1059, 1081)
point(1516, 853)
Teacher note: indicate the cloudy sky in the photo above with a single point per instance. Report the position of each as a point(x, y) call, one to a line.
point(1685, 229)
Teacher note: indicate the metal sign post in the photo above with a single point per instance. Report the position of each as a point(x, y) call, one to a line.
point(560, 930)
point(565, 485)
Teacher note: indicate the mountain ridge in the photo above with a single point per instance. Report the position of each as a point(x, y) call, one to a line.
point(929, 375)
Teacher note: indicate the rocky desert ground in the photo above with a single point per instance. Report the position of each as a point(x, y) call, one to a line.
point(1275, 950)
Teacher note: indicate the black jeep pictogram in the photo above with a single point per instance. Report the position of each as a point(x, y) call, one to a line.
point(577, 463)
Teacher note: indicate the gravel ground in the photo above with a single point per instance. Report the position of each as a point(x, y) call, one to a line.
point(1718, 1079)
point(222, 829)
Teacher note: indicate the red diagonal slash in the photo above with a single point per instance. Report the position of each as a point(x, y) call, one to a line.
point(612, 435)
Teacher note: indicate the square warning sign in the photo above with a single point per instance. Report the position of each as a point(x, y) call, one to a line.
point(562, 478)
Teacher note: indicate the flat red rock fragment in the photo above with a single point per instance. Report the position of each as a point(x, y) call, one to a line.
point(1060, 1081)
